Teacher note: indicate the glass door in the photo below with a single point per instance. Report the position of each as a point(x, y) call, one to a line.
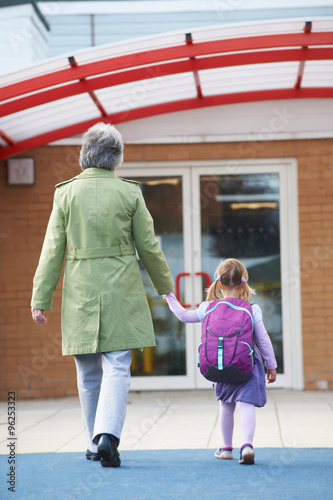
point(205, 212)
point(245, 213)
point(169, 365)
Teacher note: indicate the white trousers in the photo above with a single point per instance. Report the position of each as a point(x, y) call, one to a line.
point(103, 381)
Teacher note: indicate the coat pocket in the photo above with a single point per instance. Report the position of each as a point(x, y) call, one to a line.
point(81, 325)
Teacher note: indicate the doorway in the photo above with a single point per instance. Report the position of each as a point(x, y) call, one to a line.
point(203, 213)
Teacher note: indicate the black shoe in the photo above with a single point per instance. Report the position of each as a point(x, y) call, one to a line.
point(90, 455)
point(107, 449)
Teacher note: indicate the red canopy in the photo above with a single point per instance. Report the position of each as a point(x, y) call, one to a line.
point(115, 83)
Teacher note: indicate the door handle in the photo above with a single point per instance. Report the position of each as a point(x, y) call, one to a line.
point(180, 275)
point(208, 280)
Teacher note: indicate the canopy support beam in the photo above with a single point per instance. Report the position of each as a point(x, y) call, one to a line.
point(91, 93)
point(6, 138)
point(307, 29)
point(189, 41)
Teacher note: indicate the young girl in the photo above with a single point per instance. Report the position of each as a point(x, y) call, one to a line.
point(231, 282)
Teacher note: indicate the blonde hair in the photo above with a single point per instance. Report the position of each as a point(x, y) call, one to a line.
point(230, 274)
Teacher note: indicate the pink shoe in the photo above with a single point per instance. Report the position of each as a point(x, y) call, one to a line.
point(246, 454)
point(224, 453)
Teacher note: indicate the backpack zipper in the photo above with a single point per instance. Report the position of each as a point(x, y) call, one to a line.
point(225, 336)
point(251, 351)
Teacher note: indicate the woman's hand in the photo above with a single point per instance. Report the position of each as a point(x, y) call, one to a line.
point(271, 376)
point(38, 316)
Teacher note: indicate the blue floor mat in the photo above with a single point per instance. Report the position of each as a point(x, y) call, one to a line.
point(283, 473)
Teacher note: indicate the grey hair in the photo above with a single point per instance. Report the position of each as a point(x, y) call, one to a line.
point(102, 147)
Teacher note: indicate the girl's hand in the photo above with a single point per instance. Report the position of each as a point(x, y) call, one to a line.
point(271, 376)
point(164, 296)
point(38, 316)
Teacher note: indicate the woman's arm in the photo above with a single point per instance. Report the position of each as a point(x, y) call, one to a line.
point(179, 311)
point(50, 263)
point(149, 249)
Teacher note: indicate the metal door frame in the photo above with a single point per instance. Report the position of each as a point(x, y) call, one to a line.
point(132, 170)
point(290, 260)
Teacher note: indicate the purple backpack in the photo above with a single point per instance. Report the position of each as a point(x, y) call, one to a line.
point(226, 349)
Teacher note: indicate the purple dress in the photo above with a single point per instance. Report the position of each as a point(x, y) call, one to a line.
point(252, 391)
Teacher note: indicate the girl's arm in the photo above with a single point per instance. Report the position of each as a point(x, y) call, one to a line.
point(179, 311)
point(266, 349)
point(263, 340)
point(265, 345)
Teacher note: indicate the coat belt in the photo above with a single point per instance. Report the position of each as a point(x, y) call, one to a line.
point(98, 253)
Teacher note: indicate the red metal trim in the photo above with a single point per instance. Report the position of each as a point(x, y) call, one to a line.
point(6, 138)
point(91, 93)
point(164, 54)
point(207, 276)
point(189, 40)
point(180, 275)
point(222, 99)
point(191, 65)
point(307, 29)
point(168, 107)
point(98, 103)
point(197, 84)
point(300, 74)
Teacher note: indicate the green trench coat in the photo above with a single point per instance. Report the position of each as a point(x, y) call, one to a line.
point(97, 221)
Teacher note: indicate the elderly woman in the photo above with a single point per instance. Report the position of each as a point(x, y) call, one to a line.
point(97, 222)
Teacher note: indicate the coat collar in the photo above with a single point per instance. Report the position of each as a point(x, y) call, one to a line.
point(93, 172)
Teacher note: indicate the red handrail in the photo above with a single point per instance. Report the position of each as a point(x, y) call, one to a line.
point(180, 275)
point(208, 280)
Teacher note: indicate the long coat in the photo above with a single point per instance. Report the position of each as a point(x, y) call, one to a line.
point(97, 221)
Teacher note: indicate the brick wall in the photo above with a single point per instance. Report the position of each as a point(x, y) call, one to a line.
point(31, 360)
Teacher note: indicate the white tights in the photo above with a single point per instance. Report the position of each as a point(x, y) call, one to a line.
point(248, 422)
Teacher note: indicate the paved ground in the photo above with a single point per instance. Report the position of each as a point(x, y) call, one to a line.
point(280, 473)
point(174, 420)
point(167, 451)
